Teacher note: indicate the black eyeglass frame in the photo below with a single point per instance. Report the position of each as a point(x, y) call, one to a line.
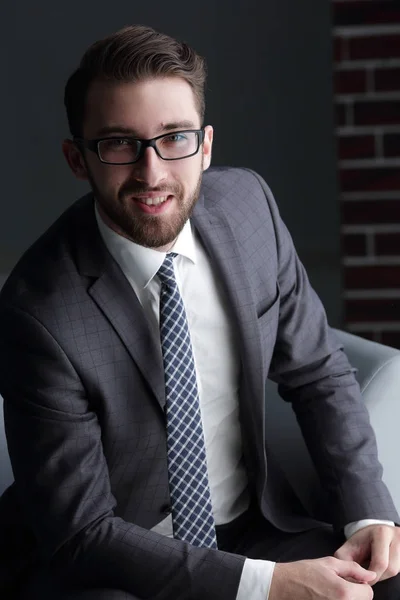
point(93, 145)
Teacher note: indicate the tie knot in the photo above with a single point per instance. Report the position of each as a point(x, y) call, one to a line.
point(166, 271)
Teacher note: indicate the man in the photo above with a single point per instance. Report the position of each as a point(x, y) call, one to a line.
point(136, 337)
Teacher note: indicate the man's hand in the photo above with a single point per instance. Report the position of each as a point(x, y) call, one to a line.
point(376, 547)
point(321, 579)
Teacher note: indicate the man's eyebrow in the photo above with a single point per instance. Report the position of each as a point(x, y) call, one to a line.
point(163, 127)
point(176, 125)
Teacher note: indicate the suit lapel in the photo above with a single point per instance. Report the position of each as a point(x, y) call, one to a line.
point(113, 294)
point(221, 244)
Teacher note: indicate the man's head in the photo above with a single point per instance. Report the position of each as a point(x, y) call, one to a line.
point(140, 84)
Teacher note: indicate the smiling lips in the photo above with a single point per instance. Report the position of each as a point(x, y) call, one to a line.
point(152, 201)
point(152, 204)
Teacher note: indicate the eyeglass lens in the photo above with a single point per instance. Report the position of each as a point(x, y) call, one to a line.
point(171, 146)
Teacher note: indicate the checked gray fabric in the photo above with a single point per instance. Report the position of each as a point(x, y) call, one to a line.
point(192, 517)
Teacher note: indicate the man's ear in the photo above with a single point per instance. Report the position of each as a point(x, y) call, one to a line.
point(207, 146)
point(75, 160)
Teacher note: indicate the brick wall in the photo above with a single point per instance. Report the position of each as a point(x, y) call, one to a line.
point(367, 100)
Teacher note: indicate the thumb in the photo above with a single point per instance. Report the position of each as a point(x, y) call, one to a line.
point(345, 552)
point(347, 568)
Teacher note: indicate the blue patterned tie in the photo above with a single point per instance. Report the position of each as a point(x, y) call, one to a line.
point(192, 517)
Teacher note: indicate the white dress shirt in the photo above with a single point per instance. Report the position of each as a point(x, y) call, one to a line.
point(217, 363)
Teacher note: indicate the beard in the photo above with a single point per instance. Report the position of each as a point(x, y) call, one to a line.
point(151, 231)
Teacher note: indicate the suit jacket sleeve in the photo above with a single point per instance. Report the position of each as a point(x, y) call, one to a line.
point(63, 486)
point(314, 374)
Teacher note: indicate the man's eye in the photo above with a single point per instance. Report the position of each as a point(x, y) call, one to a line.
point(119, 142)
point(175, 137)
point(115, 144)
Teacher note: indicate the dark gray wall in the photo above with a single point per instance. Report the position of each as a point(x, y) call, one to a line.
point(269, 99)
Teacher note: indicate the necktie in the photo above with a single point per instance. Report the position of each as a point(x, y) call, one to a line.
point(192, 517)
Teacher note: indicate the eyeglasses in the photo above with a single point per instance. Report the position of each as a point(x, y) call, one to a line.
point(128, 150)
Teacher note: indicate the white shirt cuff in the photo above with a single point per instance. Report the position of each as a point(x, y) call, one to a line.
point(255, 581)
point(352, 528)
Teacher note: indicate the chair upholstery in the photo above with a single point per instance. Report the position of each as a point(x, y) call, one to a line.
point(379, 378)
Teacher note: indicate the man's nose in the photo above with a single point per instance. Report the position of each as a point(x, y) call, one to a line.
point(150, 169)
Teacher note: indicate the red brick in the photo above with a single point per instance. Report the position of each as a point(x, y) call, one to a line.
point(391, 338)
point(372, 309)
point(356, 146)
point(366, 12)
point(350, 82)
point(387, 244)
point(371, 179)
point(370, 212)
point(387, 80)
point(372, 277)
point(382, 112)
point(391, 144)
point(354, 244)
point(376, 46)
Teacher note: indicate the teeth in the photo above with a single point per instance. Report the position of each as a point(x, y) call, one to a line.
point(153, 201)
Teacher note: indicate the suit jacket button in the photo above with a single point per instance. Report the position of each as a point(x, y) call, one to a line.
point(166, 509)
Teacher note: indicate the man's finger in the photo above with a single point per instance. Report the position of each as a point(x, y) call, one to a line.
point(380, 551)
point(345, 552)
point(393, 568)
point(362, 592)
point(350, 569)
point(354, 551)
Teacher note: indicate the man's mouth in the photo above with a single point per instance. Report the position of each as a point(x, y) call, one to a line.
point(153, 205)
point(152, 201)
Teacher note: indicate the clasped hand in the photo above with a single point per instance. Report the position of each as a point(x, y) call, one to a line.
point(372, 554)
point(377, 548)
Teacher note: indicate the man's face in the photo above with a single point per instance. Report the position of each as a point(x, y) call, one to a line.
point(143, 110)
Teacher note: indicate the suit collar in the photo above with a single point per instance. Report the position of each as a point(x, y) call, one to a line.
point(140, 264)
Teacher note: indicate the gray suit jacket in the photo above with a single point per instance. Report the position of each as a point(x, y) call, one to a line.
point(82, 381)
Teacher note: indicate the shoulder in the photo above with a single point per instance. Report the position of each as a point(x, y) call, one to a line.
point(240, 193)
point(47, 267)
point(240, 180)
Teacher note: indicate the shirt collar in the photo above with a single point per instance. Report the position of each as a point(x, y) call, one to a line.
point(139, 262)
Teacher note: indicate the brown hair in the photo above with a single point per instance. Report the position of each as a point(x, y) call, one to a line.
point(133, 54)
